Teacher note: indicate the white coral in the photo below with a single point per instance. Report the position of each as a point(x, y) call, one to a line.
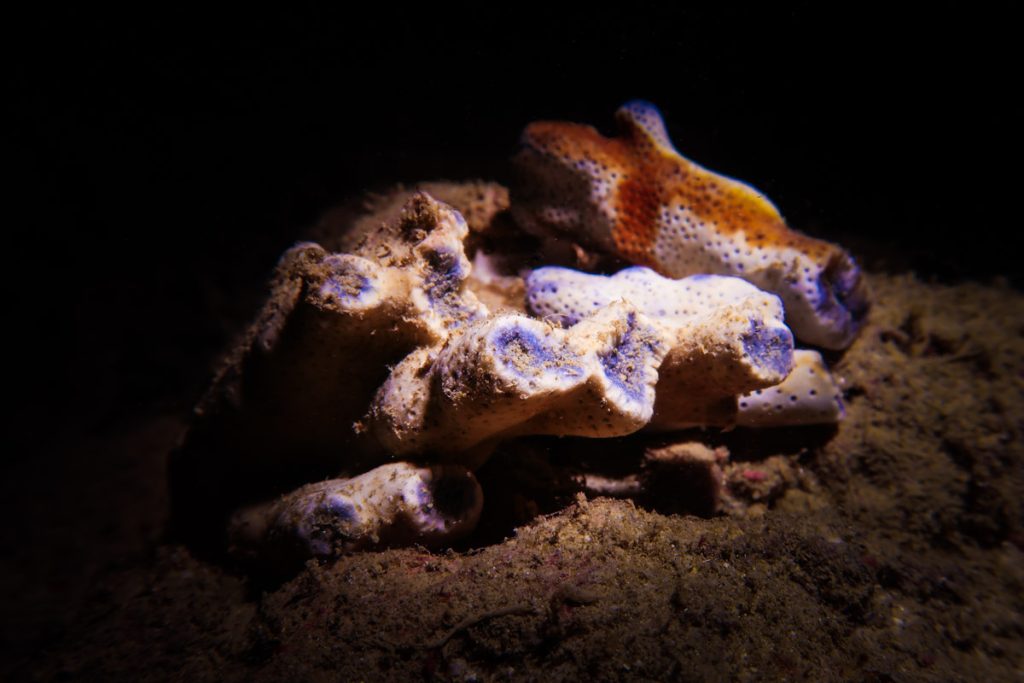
point(389, 340)
point(511, 375)
point(729, 348)
point(394, 504)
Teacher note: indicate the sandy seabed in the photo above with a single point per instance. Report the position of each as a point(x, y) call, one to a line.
point(894, 551)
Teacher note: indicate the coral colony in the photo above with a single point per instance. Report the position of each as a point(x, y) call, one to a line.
point(637, 197)
point(387, 354)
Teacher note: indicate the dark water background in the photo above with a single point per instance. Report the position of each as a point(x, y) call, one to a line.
point(164, 160)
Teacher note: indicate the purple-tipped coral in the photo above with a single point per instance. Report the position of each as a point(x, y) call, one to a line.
point(386, 352)
point(510, 375)
point(286, 404)
point(725, 337)
point(395, 504)
point(311, 363)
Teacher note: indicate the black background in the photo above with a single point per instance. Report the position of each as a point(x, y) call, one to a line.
point(163, 160)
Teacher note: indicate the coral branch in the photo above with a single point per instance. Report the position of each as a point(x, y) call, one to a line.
point(394, 504)
point(725, 336)
point(511, 375)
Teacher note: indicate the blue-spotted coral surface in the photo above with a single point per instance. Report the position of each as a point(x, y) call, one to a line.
point(637, 197)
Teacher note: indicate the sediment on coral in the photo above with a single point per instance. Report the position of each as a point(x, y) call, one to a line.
point(730, 354)
point(392, 505)
point(284, 407)
point(511, 375)
point(386, 352)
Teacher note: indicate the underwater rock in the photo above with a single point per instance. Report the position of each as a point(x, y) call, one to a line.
point(635, 196)
point(394, 504)
point(686, 477)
